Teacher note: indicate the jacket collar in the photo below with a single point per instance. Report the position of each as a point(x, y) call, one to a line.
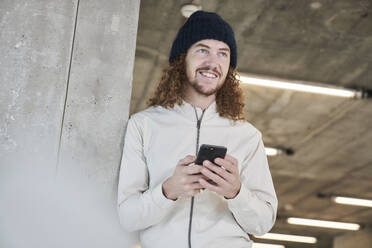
point(188, 111)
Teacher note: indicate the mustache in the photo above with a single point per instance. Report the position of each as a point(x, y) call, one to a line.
point(209, 68)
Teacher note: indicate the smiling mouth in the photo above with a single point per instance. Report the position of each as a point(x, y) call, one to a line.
point(208, 74)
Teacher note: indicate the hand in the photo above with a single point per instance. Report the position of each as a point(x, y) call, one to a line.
point(184, 181)
point(226, 176)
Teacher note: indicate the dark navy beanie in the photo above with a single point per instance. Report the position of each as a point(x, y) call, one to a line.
point(203, 25)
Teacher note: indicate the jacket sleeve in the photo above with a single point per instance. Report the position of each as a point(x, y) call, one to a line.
point(139, 206)
point(255, 206)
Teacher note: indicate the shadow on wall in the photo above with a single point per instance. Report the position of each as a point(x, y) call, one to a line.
point(37, 212)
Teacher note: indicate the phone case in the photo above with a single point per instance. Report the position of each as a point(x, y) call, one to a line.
point(210, 152)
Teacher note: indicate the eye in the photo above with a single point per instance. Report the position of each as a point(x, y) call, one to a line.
point(203, 51)
point(223, 54)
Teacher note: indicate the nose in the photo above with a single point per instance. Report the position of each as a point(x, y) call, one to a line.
point(212, 62)
point(213, 58)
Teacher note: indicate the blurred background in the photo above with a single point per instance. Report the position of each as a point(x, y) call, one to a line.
point(315, 42)
point(71, 73)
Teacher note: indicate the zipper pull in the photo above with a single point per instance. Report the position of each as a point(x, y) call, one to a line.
point(198, 124)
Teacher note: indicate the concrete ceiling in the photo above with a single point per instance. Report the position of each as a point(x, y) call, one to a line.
point(317, 41)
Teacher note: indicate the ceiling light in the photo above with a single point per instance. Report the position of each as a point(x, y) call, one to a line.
point(255, 245)
point(352, 201)
point(323, 223)
point(287, 237)
point(271, 151)
point(263, 245)
point(188, 9)
point(300, 86)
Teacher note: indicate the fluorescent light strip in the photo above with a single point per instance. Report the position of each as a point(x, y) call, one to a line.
point(323, 223)
point(287, 237)
point(272, 151)
point(255, 245)
point(299, 86)
point(263, 245)
point(352, 201)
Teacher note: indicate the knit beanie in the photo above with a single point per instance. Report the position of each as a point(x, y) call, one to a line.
point(203, 25)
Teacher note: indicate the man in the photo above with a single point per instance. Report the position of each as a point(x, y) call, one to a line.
point(162, 193)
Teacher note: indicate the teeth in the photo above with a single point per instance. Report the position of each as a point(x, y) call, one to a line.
point(207, 74)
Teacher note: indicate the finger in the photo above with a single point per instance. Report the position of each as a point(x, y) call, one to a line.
point(192, 186)
point(228, 165)
point(187, 160)
point(214, 177)
point(193, 192)
point(232, 159)
point(194, 178)
point(210, 186)
point(219, 171)
point(196, 186)
point(193, 169)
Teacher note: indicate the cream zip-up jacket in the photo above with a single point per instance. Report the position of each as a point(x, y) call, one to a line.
point(156, 139)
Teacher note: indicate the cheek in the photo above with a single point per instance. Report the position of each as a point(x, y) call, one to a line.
point(224, 64)
point(189, 71)
point(226, 68)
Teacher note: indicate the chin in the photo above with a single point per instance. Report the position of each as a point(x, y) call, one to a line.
point(206, 92)
point(205, 88)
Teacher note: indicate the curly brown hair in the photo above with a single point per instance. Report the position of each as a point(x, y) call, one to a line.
point(170, 91)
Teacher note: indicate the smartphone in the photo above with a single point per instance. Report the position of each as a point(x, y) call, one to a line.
point(210, 152)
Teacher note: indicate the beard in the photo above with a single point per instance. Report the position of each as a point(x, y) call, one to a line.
point(205, 92)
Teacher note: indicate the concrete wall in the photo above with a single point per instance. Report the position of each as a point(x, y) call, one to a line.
point(65, 87)
point(361, 238)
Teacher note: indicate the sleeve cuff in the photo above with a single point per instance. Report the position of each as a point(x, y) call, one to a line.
point(159, 198)
point(241, 200)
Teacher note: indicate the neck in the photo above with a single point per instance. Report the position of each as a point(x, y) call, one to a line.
point(199, 100)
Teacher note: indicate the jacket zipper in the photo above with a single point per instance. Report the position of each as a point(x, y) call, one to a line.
point(198, 124)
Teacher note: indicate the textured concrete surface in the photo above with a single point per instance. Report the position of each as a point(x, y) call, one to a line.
point(99, 92)
point(66, 70)
point(360, 239)
point(35, 38)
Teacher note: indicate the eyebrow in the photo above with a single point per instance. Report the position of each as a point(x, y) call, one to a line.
point(221, 49)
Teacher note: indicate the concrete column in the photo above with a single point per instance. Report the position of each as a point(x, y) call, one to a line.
point(99, 92)
point(65, 86)
point(35, 38)
point(96, 111)
point(362, 238)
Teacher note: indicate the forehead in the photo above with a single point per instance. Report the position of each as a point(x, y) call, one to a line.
point(212, 44)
